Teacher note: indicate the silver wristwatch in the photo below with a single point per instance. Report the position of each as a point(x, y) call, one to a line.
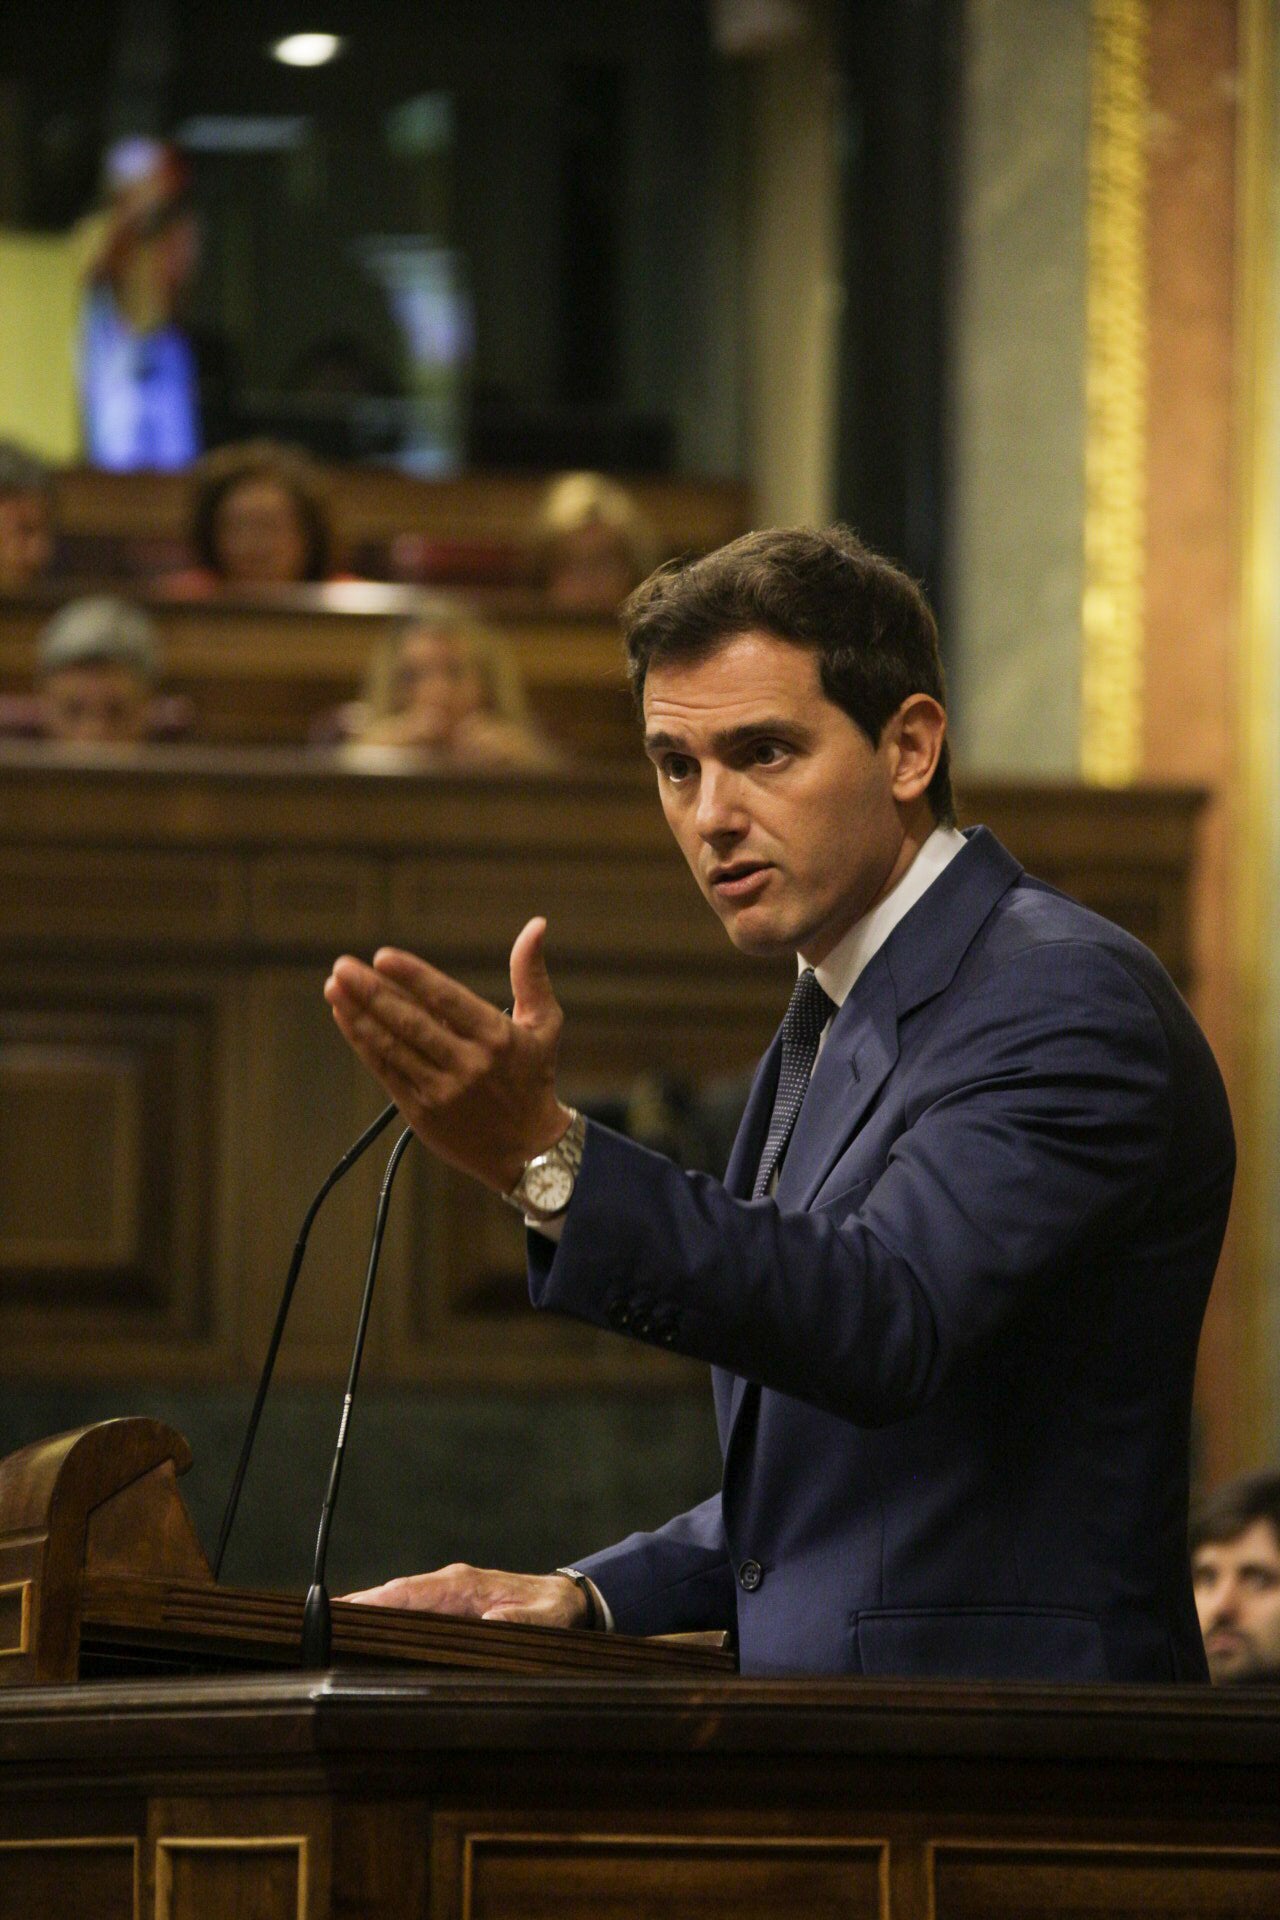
point(545, 1188)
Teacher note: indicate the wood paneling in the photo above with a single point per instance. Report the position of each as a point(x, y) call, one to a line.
point(40, 1878)
point(107, 1143)
point(585, 1876)
point(1192, 726)
point(1105, 1883)
point(234, 1879)
point(489, 1797)
point(173, 1090)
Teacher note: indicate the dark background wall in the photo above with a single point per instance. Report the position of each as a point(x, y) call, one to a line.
point(500, 1480)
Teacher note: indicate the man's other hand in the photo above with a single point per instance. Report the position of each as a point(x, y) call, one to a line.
point(479, 1593)
point(477, 1087)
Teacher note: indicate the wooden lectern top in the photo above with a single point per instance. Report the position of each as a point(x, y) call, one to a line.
point(102, 1573)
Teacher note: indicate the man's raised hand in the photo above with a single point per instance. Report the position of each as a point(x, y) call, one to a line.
point(477, 1087)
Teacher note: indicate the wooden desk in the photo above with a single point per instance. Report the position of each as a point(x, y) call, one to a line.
point(475, 1798)
point(172, 1089)
point(260, 671)
point(369, 506)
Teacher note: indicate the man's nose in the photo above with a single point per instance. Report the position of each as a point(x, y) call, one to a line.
point(1223, 1606)
point(720, 813)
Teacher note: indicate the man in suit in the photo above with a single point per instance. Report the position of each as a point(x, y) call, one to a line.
point(953, 1282)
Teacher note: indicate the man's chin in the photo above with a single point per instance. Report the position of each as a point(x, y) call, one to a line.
point(759, 941)
point(1232, 1666)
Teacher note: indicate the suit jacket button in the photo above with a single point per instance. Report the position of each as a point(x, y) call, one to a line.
point(750, 1574)
point(619, 1314)
point(642, 1326)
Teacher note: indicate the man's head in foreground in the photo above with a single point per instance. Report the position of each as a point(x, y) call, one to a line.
point(26, 517)
point(1235, 1568)
point(793, 703)
point(96, 667)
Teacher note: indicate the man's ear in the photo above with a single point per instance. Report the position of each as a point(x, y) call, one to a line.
point(917, 731)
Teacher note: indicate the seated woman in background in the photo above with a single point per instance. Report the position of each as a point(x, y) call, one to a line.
point(594, 544)
point(444, 689)
point(259, 519)
point(96, 665)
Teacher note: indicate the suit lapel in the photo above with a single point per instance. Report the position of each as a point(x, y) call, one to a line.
point(858, 1057)
point(753, 1128)
point(917, 961)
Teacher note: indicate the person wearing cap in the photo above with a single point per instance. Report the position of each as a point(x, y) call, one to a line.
point(96, 671)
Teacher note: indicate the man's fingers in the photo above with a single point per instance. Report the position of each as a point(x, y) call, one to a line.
point(534, 998)
point(545, 1600)
point(379, 1012)
point(403, 1069)
point(447, 999)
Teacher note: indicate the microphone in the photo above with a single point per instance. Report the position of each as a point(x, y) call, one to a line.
point(348, 1160)
point(317, 1622)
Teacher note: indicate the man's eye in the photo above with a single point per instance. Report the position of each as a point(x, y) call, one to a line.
point(766, 753)
point(676, 766)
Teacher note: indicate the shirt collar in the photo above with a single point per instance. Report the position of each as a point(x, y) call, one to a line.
point(846, 960)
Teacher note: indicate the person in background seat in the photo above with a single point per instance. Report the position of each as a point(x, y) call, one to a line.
point(445, 690)
point(594, 544)
point(259, 520)
point(96, 670)
point(1235, 1570)
point(26, 518)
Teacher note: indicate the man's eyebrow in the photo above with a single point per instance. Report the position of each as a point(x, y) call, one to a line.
point(729, 738)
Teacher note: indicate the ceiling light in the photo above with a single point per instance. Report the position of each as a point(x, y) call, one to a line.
point(307, 49)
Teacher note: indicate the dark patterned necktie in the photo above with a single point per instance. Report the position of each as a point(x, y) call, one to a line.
point(807, 1015)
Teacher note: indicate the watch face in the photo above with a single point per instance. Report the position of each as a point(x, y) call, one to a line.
point(549, 1187)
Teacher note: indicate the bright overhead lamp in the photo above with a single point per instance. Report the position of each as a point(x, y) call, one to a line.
point(307, 49)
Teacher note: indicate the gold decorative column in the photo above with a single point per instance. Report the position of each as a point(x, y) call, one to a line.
point(1115, 396)
point(1254, 822)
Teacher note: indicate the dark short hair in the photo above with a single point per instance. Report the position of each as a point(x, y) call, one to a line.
point(219, 473)
point(22, 471)
point(1232, 1509)
point(869, 623)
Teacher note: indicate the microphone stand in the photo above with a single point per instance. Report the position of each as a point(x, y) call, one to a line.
point(317, 1623)
point(348, 1160)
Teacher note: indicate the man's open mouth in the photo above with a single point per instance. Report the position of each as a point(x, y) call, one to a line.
point(740, 877)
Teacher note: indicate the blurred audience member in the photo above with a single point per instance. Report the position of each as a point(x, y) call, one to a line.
point(138, 378)
point(26, 517)
point(1235, 1568)
point(96, 669)
point(594, 544)
point(446, 690)
point(259, 519)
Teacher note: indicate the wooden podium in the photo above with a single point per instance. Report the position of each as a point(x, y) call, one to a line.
point(102, 1573)
point(580, 1776)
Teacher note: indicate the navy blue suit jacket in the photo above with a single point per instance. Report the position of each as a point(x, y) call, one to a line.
point(954, 1353)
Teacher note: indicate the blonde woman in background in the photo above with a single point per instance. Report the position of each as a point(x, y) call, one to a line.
point(594, 544)
point(444, 688)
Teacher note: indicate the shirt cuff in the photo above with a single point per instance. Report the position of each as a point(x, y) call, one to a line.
point(604, 1612)
point(549, 1229)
